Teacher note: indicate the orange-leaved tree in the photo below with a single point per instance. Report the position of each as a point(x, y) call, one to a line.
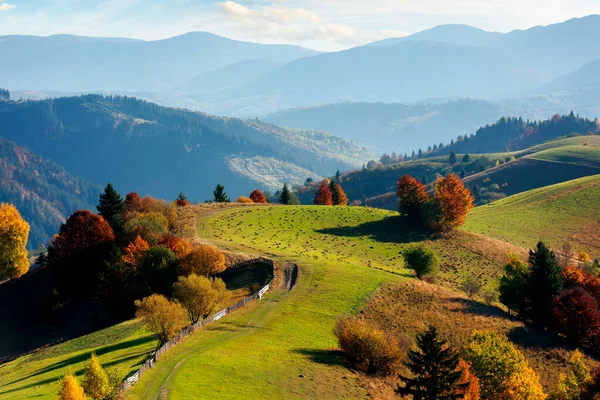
point(258, 197)
point(338, 196)
point(323, 197)
point(14, 232)
point(469, 382)
point(164, 318)
point(134, 252)
point(453, 202)
point(244, 200)
point(180, 246)
point(82, 231)
point(204, 259)
point(181, 200)
point(70, 389)
point(411, 196)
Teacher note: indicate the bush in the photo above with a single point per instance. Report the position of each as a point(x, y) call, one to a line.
point(367, 348)
point(421, 259)
point(471, 286)
point(244, 200)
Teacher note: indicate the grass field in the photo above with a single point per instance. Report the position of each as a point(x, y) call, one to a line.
point(121, 348)
point(581, 155)
point(566, 212)
point(281, 347)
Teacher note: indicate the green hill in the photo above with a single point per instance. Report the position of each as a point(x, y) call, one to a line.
point(566, 212)
point(161, 151)
point(44, 193)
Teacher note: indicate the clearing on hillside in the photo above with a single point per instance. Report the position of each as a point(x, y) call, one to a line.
point(566, 212)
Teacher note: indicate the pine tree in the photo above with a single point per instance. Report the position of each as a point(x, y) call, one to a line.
point(338, 175)
point(452, 159)
point(95, 380)
point(110, 204)
point(466, 158)
point(181, 200)
point(220, 196)
point(434, 368)
point(285, 196)
point(545, 282)
point(70, 389)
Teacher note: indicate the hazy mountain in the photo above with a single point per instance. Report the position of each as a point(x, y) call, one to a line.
point(394, 127)
point(75, 64)
point(464, 35)
point(161, 151)
point(586, 76)
point(44, 193)
point(228, 77)
point(558, 48)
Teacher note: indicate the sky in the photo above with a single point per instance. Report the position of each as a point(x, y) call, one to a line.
point(325, 25)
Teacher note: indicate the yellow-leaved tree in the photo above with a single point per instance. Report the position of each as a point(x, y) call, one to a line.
point(95, 380)
point(199, 295)
point(14, 232)
point(570, 385)
point(70, 389)
point(205, 260)
point(164, 318)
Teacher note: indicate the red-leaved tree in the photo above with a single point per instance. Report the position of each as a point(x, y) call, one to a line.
point(411, 196)
point(453, 202)
point(258, 197)
point(324, 197)
point(577, 316)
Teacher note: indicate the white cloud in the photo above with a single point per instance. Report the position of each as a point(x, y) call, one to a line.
point(6, 7)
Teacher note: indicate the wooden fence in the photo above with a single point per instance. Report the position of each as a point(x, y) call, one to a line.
point(131, 380)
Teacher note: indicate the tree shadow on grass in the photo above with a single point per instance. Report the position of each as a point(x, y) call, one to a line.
point(532, 337)
point(86, 355)
point(326, 357)
point(474, 307)
point(396, 229)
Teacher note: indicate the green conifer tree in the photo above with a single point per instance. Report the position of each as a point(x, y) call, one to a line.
point(466, 158)
point(434, 369)
point(219, 194)
point(110, 204)
point(452, 159)
point(285, 196)
point(545, 282)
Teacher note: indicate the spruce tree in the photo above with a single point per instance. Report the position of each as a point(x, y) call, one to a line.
point(466, 158)
point(285, 196)
point(452, 159)
point(338, 175)
point(110, 204)
point(545, 282)
point(220, 196)
point(434, 369)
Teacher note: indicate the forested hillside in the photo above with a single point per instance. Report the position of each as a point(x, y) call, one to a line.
point(160, 151)
point(44, 193)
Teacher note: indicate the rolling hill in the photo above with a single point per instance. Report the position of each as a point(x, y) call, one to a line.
point(463, 35)
point(77, 64)
point(139, 146)
point(44, 192)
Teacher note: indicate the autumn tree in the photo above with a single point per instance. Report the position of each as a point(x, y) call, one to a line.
point(162, 317)
point(199, 295)
point(180, 246)
point(513, 284)
point(570, 385)
point(258, 197)
point(499, 366)
point(81, 232)
point(576, 315)
point(110, 204)
point(545, 282)
point(468, 381)
point(70, 389)
point(133, 203)
point(591, 390)
point(435, 370)
point(181, 200)
point(285, 195)
point(244, 200)
point(323, 197)
point(524, 385)
point(134, 252)
point(421, 259)
point(338, 196)
point(219, 194)
point(14, 233)
point(95, 380)
point(412, 195)
point(204, 260)
point(151, 227)
point(453, 201)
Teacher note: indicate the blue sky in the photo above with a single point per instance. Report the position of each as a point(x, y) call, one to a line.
point(319, 24)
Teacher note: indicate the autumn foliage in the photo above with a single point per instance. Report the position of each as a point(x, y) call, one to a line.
point(323, 197)
point(469, 381)
point(204, 259)
point(244, 200)
point(95, 380)
point(134, 252)
point(162, 317)
point(258, 197)
point(577, 316)
point(14, 232)
point(411, 196)
point(70, 389)
point(454, 202)
point(199, 295)
point(338, 195)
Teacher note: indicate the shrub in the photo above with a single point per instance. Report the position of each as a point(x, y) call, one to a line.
point(367, 348)
point(570, 385)
point(199, 295)
point(162, 317)
point(205, 260)
point(70, 389)
point(471, 286)
point(489, 296)
point(244, 200)
point(95, 380)
point(421, 259)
